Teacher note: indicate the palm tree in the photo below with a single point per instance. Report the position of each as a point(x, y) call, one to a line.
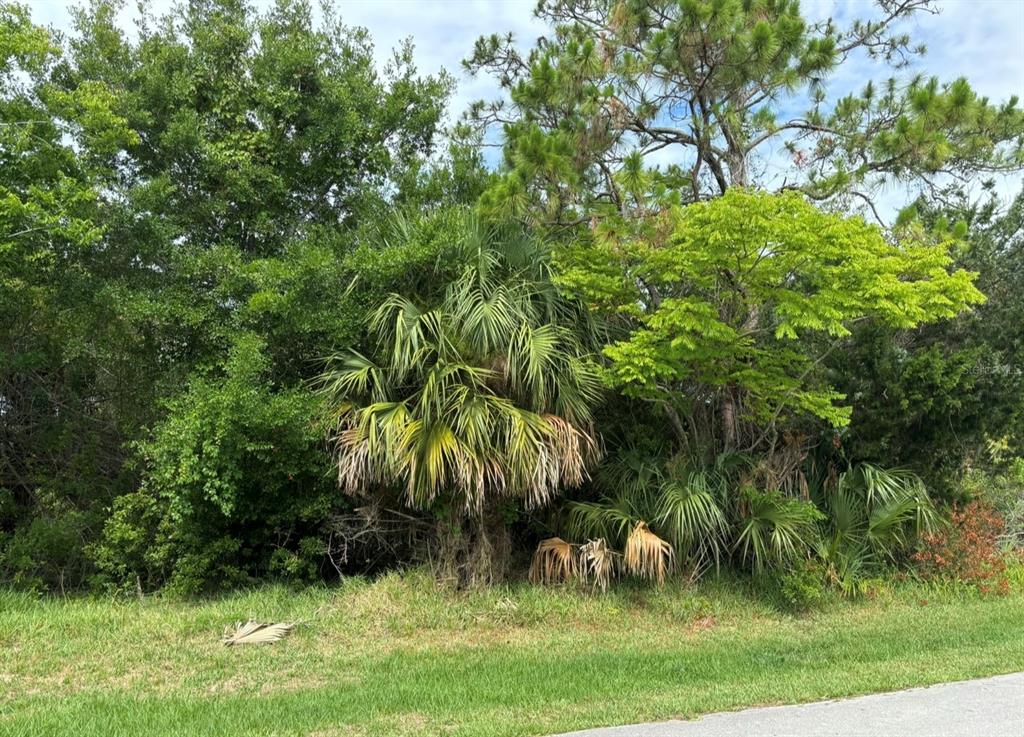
point(481, 397)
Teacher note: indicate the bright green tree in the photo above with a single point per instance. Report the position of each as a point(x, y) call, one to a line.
point(737, 305)
point(714, 88)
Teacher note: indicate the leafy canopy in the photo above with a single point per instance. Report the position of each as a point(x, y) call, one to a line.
point(739, 289)
point(936, 398)
point(172, 197)
point(59, 463)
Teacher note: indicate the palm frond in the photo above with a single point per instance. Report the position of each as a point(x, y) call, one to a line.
point(554, 562)
point(352, 375)
point(409, 334)
point(647, 555)
point(610, 519)
point(478, 394)
point(485, 320)
point(846, 563)
point(254, 633)
point(888, 522)
point(691, 514)
point(631, 473)
point(886, 507)
point(597, 563)
point(775, 528)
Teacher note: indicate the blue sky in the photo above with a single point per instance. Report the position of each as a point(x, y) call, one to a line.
point(982, 40)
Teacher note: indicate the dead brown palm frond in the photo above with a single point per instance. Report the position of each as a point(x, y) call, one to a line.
point(597, 563)
point(254, 633)
point(554, 561)
point(354, 467)
point(647, 555)
point(575, 449)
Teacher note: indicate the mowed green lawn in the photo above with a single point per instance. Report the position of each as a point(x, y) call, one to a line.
point(396, 657)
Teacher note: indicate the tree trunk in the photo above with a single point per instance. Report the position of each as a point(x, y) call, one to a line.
point(490, 549)
point(730, 421)
point(676, 422)
point(473, 550)
point(728, 415)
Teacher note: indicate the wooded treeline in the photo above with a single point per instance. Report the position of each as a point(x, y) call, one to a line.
point(266, 314)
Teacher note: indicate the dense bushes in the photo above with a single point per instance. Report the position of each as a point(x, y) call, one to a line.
point(237, 486)
point(178, 207)
point(938, 398)
point(852, 526)
point(198, 220)
point(801, 588)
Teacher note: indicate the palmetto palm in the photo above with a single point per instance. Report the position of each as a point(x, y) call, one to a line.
point(644, 499)
point(873, 515)
point(482, 394)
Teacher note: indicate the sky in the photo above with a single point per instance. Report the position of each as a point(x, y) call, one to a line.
point(982, 40)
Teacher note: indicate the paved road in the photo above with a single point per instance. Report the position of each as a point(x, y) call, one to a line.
point(990, 707)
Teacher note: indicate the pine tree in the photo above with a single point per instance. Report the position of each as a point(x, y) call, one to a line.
point(714, 86)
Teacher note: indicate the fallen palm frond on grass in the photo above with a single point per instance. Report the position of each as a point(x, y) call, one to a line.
point(255, 633)
point(554, 561)
point(647, 555)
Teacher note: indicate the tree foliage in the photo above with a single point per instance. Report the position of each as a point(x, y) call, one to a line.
point(946, 397)
point(714, 88)
point(235, 486)
point(172, 198)
point(259, 307)
point(740, 298)
point(61, 366)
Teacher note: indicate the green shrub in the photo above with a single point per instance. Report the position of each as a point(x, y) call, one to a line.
point(1015, 573)
point(873, 520)
point(236, 485)
point(46, 553)
point(798, 588)
point(1005, 492)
